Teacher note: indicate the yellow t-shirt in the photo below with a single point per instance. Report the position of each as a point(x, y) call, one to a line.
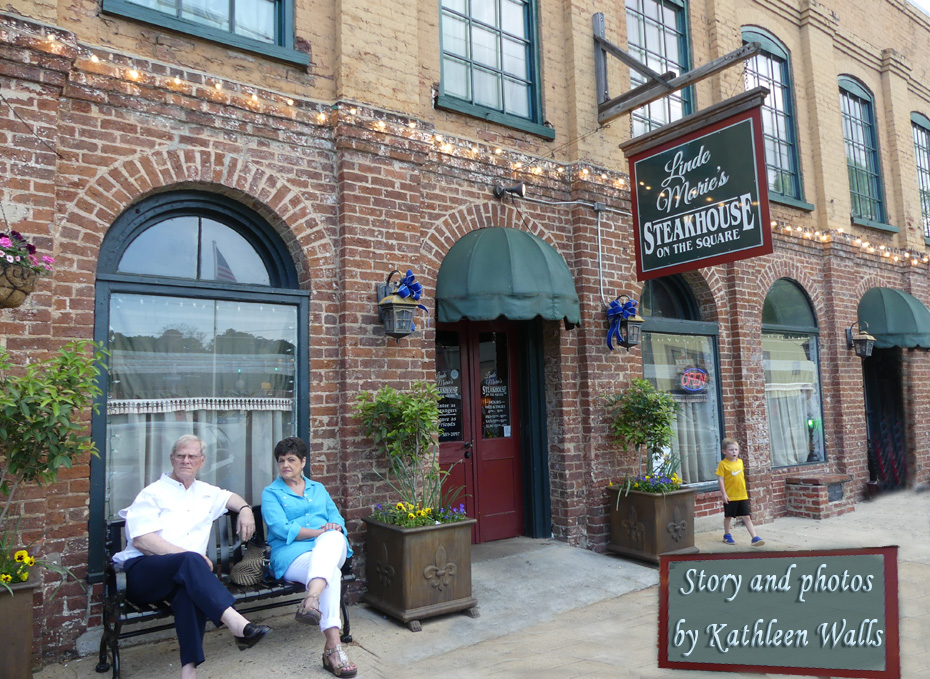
point(734, 480)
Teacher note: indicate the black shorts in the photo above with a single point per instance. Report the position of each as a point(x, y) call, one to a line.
point(736, 508)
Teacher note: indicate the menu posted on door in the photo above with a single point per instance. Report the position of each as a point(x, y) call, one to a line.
point(450, 405)
point(495, 406)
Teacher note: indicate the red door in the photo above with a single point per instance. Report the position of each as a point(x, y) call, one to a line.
point(480, 420)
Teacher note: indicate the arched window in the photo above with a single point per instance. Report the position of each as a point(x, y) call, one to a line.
point(790, 358)
point(680, 357)
point(920, 127)
point(772, 69)
point(207, 333)
point(862, 157)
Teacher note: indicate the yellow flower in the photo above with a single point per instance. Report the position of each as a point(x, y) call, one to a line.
point(20, 556)
point(610, 485)
point(29, 561)
point(4, 577)
point(411, 516)
point(23, 576)
point(399, 507)
point(409, 507)
point(636, 485)
point(420, 512)
point(429, 510)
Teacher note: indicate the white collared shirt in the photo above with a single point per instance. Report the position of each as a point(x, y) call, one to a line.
point(181, 516)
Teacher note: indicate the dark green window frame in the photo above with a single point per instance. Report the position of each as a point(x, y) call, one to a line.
point(282, 50)
point(863, 160)
point(920, 126)
point(534, 122)
point(641, 119)
point(283, 288)
point(772, 70)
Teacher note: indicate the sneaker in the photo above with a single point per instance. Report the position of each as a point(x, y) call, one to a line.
point(727, 538)
point(757, 541)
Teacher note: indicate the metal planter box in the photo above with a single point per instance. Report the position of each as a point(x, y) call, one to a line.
point(644, 525)
point(416, 573)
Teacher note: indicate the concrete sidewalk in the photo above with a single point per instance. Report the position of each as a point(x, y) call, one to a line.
point(552, 611)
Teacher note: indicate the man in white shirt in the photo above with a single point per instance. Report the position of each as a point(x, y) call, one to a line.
point(168, 528)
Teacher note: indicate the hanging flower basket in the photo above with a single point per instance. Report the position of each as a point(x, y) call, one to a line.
point(16, 282)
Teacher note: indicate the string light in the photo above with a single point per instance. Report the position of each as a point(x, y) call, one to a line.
point(133, 73)
point(94, 58)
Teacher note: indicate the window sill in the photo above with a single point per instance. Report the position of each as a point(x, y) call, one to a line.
point(791, 202)
point(458, 106)
point(128, 10)
point(878, 226)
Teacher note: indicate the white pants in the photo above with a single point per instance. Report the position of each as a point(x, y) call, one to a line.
point(323, 561)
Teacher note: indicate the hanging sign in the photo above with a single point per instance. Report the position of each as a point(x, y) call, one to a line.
point(701, 197)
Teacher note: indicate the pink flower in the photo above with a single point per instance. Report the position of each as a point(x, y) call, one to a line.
point(33, 260)
point(48, 260)
point(5, 242)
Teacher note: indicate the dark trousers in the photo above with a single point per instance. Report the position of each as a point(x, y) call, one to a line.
point(186, 582)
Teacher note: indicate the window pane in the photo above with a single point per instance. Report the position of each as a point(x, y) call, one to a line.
point(484, 47)
point(484, 11)
point(455, 78)
point(495, 385)
point(255, 19)
point(867, 201)
point(517, 98)
point(213, 13)
point(455, 36)
point(449, 382)
point(166, 6)
point(168, 249)
point(455, 5)
point(792, 398)
point(227, 256)
point(697, 437)
point(513, 18)
point(922, 154)
point(219, 369)
point(487, 89)
point(515, 58)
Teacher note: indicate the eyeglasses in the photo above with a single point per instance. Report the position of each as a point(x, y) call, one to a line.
point(185, 458)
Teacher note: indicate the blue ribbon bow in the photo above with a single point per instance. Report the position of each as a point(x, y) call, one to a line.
point(408, 287)
point(615, 313)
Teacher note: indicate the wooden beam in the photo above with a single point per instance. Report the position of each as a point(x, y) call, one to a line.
point(629, 60)
point(629, 101)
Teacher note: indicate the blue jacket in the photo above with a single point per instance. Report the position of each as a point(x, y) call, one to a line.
point(285, 513)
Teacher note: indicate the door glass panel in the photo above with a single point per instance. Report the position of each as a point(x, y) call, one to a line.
point(449, 381)
point(495, 388)
point(685, 367)
point(222, 370)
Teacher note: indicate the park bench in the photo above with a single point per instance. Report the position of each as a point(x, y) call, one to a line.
point(123, 619)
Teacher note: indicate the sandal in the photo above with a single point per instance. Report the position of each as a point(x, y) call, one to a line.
point(345, 668)
point(308, 613)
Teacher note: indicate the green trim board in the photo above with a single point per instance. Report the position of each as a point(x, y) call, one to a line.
point(455, 105)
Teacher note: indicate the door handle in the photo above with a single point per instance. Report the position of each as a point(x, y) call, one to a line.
point(467, 449)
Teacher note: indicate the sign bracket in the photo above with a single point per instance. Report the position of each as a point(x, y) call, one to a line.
point(658, 85)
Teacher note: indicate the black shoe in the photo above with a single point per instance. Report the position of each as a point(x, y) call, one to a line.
point(251, 635)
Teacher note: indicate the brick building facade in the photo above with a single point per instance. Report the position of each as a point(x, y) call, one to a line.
point(337, 148)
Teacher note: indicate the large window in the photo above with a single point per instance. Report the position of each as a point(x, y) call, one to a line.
point(772, 69)
point(920, 125)
point(207, 336)
point(489, 61)
point(680, 358)
point(865, 184)
point(657, 37)
point(792, 376)
point(265, 26)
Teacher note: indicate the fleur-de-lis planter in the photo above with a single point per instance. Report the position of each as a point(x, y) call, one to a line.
point(417, 573)
point(644, 525)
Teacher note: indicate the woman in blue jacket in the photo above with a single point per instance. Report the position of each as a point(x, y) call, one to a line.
point(308, 545)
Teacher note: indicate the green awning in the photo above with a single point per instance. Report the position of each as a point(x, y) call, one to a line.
point(496, 272)
point(895, 319)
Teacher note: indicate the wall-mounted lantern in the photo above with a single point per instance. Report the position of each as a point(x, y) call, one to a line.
point(398, 305)
point(862, 341)
point(625, 324)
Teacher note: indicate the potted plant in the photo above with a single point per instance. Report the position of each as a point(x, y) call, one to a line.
point(42, 407)
point(20, 267)
point(650, 512)
point(418, 544)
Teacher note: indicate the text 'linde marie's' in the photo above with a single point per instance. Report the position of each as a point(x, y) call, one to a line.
point(700, 227)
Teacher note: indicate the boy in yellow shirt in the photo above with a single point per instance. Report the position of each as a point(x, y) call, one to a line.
point(733, 492)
